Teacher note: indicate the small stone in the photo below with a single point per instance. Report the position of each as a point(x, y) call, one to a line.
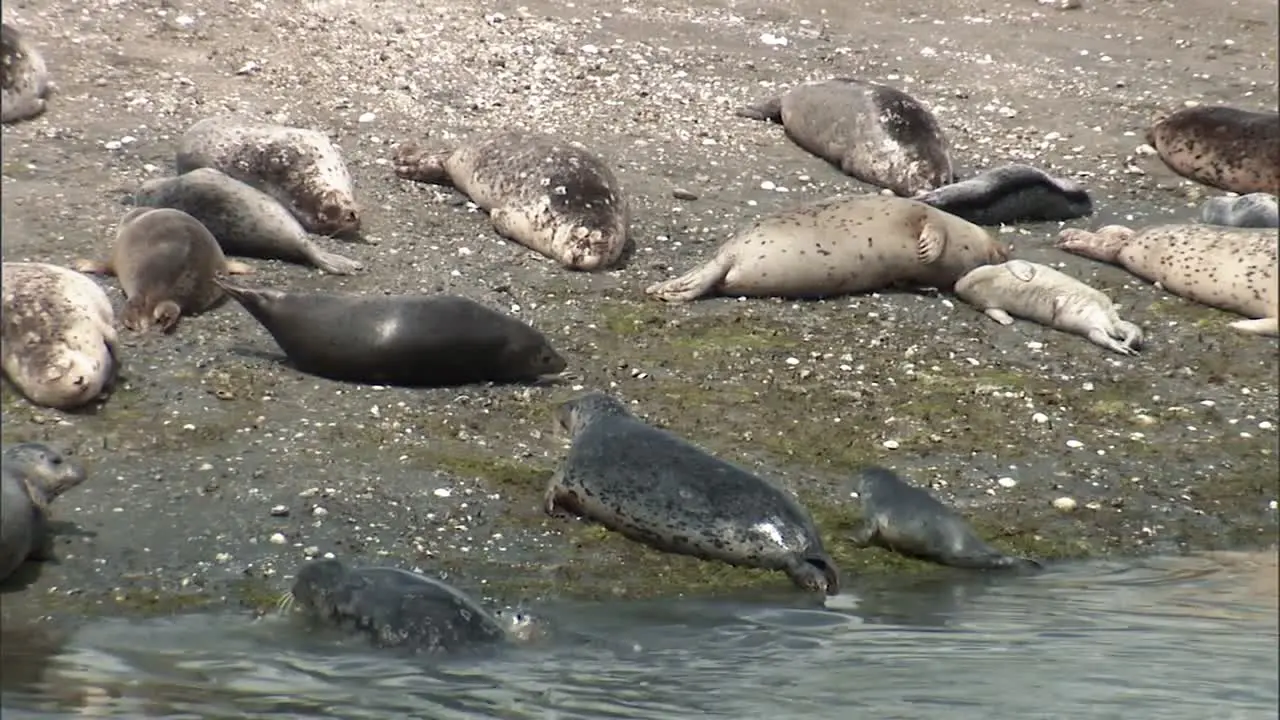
point(1006, 482)
point(367, 118)
point(1064, 504)
point(442, 492)
point(279, 511)
point(278, 539)
point(1144, 150)
point(891, 444)
point(318, 511)
point(222, 557)
point(1075, 444)
point(768, 185)
point(682, 194)
point(1040, 418)
point(112, 144)
point(311, 551)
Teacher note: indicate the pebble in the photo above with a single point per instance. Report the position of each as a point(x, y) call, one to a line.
point(1075, 444)
point(318, 511)
point(442, 492)
point(682, 194)
point(1064, 504)
point(279, 510)
point(891, 444)
point(278, 539)
point(1040, 418)
point(1006, 482)
point(367, 118)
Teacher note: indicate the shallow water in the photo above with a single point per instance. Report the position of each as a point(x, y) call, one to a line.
point(1167, 638)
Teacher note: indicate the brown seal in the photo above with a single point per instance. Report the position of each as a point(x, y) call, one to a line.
point(1224, 147)
point(24, 77)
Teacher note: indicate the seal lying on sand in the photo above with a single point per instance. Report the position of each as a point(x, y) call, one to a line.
point(300, 168)
point(659, 490)
point(59, 342)
point(554, 197)
point(1012, 194)
point(846, 244)
point(1230, 269)
point(908, 520)
point(1228, 148)
point(24, 77)
point(32, 475)
point(407, 340)
point(874, 133)
point(1255, 210)
point(1040, 293)
point(245, 220)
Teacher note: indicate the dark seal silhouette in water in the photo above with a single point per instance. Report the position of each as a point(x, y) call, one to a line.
point(405, 340)
point(1255, 210)
point(32, 475)
point(1010, 194)
point(1224, 147)
point(908, 520)
point(24, 78)
point(660, 490)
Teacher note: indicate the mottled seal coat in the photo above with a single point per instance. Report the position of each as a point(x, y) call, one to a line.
point(840, 245)
point(1049, 297)
point(908, 520)
point(24, 77)
point(406, 340)
point(660, 490)
point(245, 220)
point(874, 133)
point(1230, 269)
point(298, 167)
point(166, 261)
point(1010, 194)
point(1255, 210)
point(1224, 147)
point(32, 475)
point(553, 196)
point(59, 341)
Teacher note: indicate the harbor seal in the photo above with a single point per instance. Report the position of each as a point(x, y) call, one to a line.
point(873, 133)
point(1010, 194)
point(24, 78)
point(1255, 210)
point(1049, 297)
point(1230, 269)
point(659, 490)
point(404, 340)
point(244, 220)
point(300, 168)
point(552, 196)
point(908, 520)
point(841, 245)
point(32, 475)
point(1224, 147)
point(60, 347)
point(166, 261)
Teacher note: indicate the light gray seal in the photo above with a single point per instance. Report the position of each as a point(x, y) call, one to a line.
point(908, 520)
point(552, 196)
point(25, 87)
point(657, 489)
point(874, 133)
point(1224, 147)
point(1255, 210)
point(32, 475)
point(1011, 194)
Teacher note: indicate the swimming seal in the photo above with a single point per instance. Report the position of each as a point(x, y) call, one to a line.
point(405, 340)
point(1049, 297)
point(24, 78)
point(662, 491)
point(1230, 269)
point(552, 196)
point(32, 475)
point(1224, 147)
point(1011, 194)
point(60, 346)
point(873, 133)
point(905, 519)
point(244, 220)
point(837, 246)
point(1255, 210)
point(300, 168)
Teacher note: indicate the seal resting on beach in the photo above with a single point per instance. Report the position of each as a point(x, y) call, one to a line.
point(1255, 210)
point(1224, 147)
point(1011, 194)
point(24, 78)
point(32, 475)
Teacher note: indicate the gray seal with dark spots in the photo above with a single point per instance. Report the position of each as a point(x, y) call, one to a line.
point(32, 475)
point(1255, 210)
point(908, 520)
point(24, 78)
point(1228, 148)
point(1011, 194)
point(660, 490)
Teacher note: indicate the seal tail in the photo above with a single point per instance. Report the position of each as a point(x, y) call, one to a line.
point(769, 110)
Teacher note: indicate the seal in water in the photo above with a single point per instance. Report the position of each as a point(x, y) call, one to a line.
point(1255, 210)
point(1049, 297)
point(1010, 194)
point(905, 519)
point(874, 133)
point(245, 220)
point(166, 261)
point(300, 168)
point(24, 85)
point(1224, 147)
point(32, 475)
point(662, 491)
point(554, 197)
point(840, 245)
point(1230, 269)
point(405, 340)
point(59, 341)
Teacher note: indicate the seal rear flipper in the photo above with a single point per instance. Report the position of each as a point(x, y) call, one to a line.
point(768, 110)
point(694, 284)
point(331, 263)
point(1262, 326)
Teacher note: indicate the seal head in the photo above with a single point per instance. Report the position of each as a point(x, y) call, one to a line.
point(24, 78)
point(32, 475)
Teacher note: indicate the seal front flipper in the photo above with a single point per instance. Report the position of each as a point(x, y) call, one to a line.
point(769, 110)
point(932, 241)
point(694, 284)
point(863, 534)
point(1262, 326)
point(551, 498)
point(998, 315)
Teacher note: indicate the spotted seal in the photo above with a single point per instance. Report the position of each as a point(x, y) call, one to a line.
point(1255, 210)
point(1228, 148)
point(552, 196)
point(840, 245)
point(873, 133)
point(24, 78)
point(1011, 194)
point(32, 475)
point(657, 489)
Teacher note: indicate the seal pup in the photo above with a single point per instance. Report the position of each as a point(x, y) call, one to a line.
point(244, 220)
point(1224, 147)
point(300, 168)
point(166, 261)
point(552, 196)
point(1230, 269)
point(873, 133)
point(404, 340)
point(24, 78)
point(1255, 210)
point(841, 245)
point(908, 520)
point(1010, 194)
point(1049, 297)
point(657, 489)
point(59, 345)
point(32, 475)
